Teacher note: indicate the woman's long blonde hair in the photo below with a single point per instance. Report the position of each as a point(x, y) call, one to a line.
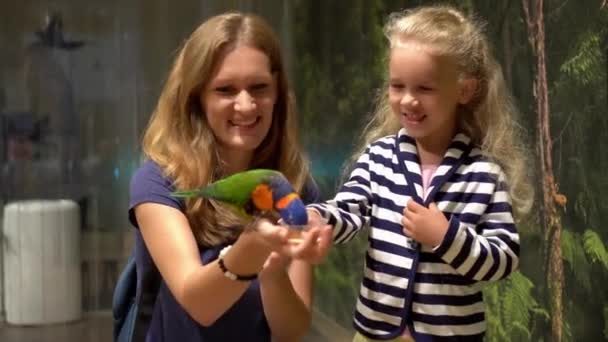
point(490, 118)
point(178, 137)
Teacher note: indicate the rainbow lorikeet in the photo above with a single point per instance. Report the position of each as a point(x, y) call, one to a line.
point(254, 193)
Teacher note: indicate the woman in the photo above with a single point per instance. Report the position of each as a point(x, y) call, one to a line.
point(226, 107)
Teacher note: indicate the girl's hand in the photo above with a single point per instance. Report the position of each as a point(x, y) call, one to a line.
point(315, 240)
point(428, 226)
point(314, 219)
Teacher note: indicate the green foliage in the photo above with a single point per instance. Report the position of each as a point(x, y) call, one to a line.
point(606, 321)
point(338, 280)
point(586, 256)
point(575, 256)
point(595, 248)
point(338, 69)
point(512, 308)
point(586, 63)
point(577, 73)
point(579, 104)
point(334, 88)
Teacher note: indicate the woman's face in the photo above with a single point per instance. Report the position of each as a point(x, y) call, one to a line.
point(239, 100)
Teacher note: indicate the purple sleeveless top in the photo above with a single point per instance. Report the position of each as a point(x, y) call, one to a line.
point(168, 321)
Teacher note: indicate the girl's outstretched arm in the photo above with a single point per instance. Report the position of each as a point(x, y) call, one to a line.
point(349, 211)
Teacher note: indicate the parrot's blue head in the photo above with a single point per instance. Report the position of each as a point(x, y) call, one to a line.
point(294, 213)
point(287, 202)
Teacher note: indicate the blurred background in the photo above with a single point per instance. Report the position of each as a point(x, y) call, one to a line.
point(79, 79)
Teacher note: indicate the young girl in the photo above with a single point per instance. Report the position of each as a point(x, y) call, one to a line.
point(226, 107)
point(431, 184)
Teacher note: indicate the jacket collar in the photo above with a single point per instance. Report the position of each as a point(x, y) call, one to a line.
point(407, 152)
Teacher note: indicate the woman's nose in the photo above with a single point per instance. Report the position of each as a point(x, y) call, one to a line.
point(244, 102)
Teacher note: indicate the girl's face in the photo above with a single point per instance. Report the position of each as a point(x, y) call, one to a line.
point(425, 91)
point(239, 100)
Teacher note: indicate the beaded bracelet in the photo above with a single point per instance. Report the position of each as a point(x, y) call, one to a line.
point(227, 273)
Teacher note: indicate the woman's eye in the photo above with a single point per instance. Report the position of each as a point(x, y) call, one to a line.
point(224, 90)
point(259, 87)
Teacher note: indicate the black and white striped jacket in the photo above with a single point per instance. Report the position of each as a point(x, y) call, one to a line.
point(435, 291)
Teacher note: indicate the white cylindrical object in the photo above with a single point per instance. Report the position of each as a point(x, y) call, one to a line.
point(42, 274)
point(1, 273)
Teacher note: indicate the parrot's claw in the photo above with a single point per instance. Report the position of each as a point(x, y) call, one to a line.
point(295, 241)
point(297, 227)
point(294, 236)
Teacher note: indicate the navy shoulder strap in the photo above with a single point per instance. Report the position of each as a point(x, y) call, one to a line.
point(135, 295)
point(124, 307)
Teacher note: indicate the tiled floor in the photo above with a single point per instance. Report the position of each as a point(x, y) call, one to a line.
point(97, 327)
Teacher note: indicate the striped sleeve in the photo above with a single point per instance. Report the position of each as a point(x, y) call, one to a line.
point(489, 251)
point(349, 211)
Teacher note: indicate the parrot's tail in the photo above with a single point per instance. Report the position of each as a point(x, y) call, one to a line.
point(186, 193)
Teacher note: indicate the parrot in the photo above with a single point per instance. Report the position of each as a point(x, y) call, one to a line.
point(254, 193)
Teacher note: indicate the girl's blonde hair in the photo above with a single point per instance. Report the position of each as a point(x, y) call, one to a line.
point(178, 136)
point(489, 118)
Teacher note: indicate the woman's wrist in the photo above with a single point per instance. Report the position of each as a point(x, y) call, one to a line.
point(228, 273)
point(275, 268)
point(247, 255)
point(273, 276)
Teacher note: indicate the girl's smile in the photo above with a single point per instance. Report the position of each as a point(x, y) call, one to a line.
point(413, 118)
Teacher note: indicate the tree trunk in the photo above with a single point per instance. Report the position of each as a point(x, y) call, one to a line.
point(550, 218)
point(505, 32)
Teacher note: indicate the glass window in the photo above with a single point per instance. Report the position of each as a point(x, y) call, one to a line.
point(79, 79)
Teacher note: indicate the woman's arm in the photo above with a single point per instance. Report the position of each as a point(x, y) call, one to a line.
point(202, 290)
point(287, 297)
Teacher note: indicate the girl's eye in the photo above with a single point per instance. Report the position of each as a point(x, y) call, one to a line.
point(424, 88)
point(396, 86)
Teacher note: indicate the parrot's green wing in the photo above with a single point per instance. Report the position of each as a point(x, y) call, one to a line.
point(235, 189)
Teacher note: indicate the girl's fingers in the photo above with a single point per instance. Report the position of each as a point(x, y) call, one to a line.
point(409, 214)
point(315, 219)
point(413, 205)
point(407, 232)
point(406, 222)
point(408, 227)
point(323, 244)
point(315, 246)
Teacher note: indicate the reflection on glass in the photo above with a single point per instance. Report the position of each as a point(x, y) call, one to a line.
point(78, 83)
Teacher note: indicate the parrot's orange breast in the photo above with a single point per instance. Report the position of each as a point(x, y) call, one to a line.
point(262, 197)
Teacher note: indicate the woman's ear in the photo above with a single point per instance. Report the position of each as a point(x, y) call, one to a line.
point(468, 88)
point(275, 84)
point(275, 78)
